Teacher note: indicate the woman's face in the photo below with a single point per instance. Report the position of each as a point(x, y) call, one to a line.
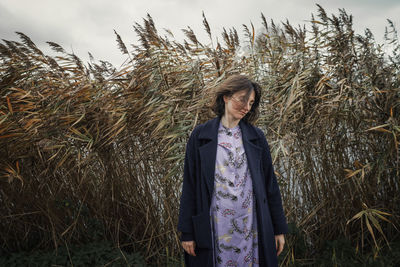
point(236, 105)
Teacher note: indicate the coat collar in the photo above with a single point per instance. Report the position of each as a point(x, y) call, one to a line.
point(208, 151)
point(210, 130)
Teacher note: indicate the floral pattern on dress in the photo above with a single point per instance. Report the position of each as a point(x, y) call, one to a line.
point(232, 212)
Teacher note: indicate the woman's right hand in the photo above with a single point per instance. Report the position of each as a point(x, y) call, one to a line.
point(189, 247)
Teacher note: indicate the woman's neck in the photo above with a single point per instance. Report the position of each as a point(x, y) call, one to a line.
point(229, 122)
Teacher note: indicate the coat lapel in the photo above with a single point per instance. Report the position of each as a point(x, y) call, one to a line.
point(208, 151)
point(253, 154)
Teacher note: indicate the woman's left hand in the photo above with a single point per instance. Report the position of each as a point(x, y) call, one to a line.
point(279, 243)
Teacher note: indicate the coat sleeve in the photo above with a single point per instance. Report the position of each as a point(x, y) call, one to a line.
point(272, 189)
point(188, 201)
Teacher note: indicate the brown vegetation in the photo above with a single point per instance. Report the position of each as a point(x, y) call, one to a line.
point(88, 152)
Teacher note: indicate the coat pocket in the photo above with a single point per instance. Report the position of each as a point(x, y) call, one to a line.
point(202, 230)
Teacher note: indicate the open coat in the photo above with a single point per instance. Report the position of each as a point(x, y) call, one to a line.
point(198, 186)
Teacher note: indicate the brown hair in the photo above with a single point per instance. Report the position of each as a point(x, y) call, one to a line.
point(231, 85)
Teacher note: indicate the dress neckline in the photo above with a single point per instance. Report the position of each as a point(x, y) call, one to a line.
point(229, 129)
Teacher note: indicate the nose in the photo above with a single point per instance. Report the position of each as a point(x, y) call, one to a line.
point(247, 106)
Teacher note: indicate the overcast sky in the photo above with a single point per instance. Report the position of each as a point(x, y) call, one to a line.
point(85, 26)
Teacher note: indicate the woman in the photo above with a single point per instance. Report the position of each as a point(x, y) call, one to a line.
point(231, 209)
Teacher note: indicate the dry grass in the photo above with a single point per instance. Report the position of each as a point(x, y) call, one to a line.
point(91, 152)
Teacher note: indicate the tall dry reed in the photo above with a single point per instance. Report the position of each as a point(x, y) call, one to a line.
point(90, 152)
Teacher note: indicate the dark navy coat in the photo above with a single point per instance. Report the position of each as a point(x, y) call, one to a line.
point(198, 186)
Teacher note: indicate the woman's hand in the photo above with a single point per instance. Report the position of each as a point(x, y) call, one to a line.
point(189, 247)
point(279, 243)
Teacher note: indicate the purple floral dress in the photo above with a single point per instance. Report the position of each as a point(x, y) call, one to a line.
point(232, 211)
